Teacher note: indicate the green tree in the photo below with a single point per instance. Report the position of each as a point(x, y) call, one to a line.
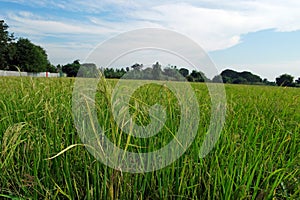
point(71, 69)
point(250, 78)
point(51, 68)
point(172, 73)
point(6, 48)
point(198, 76)
point(137, 66)
point(239, 80)
point(30, 57)
point(108, 72)
point(231, 76)
point(184, 72)
point(22, 54)
point(266, 82)
point(119, 73)
point(135, 73)
point(285, 80)
point(156, 71)
point(189, 78)
point(228, 75)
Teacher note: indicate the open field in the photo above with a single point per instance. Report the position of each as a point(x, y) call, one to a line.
point(256, 157)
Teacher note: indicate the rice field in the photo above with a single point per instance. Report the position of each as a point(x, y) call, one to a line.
point(42, 156)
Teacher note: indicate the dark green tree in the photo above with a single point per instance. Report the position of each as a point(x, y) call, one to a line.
point(231, 76)
point(30, 57)
point(109, 72)
point(71, 69)
point(184, 72)
point(198, 76)
point(228, 75)
point(266, 82)
point(250, 78)
point(119, 73)
point(239, 80)
point(22, 54)
point(189, 78)
point(6, 48)
point(137, 66)
point(285, 80)
point(51, 69)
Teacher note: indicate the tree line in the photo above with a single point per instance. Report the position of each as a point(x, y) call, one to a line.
point(173, 73)
point(21, 54)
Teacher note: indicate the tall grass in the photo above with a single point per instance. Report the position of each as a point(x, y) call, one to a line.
point(256, 157)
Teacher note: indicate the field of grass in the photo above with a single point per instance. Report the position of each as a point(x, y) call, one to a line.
point(256, 157)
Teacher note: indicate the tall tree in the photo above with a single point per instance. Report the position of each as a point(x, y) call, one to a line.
point(30, 57)
point(285, 80)
point(172, 73)
point(198, 76)
point(71, 69)
point(231, 76)
point(184, 72)
point(6, 48)
point(137, 66)
point(250, 78)
point(156, 71)
point(22, 54)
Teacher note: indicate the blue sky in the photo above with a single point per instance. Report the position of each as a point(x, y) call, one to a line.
point(258, 36)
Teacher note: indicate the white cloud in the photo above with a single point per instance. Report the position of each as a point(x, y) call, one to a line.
point(214, 24)
point(219, 27)
point(30, 23)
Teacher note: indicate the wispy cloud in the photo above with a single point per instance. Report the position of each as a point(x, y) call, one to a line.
point(35, 24)
point(214, 24)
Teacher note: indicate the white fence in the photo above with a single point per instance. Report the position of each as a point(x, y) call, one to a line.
point(40, 74)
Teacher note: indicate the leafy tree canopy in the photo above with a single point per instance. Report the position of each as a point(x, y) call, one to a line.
point(71, 69)
point(184, 72)
point(5, 45)
point(22, 54)
point(285, 80)
point(231, 76)
point(30, 57)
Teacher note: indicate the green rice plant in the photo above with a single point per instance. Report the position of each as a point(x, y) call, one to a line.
point(43, 157)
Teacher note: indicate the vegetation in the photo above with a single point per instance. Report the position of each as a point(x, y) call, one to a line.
point(285, 80)
point(6, 39)
point(25, 56)
point(256, 157)
point(230, 76)
point(21, 55)
point(71, 69)
point(173, 73)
